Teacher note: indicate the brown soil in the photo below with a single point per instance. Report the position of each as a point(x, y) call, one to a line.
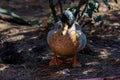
point(32, 53)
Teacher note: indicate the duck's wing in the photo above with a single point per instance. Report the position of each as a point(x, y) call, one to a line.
point(80, 35)
point(56, 28)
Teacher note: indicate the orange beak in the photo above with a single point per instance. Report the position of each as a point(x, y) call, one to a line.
point(65, 29)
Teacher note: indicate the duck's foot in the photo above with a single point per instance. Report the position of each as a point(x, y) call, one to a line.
point(76, 64)
point(55, 61)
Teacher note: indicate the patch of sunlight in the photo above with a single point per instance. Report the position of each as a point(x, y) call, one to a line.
point(119, 13)
point(116, 24)
point(104, 54)
point(92, 63)
point(114, 6)
point(88, 71)
point(118, 60)
point(17, 37)
point(3, 67)
point(26, 29)
point(4, 26)
point(35, 37)
point(114, 49)
point(12, 31)
point(46, 57)
point(30, 49)
point(61, 73)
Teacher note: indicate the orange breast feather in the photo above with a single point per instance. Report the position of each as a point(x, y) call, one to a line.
point(64, 45)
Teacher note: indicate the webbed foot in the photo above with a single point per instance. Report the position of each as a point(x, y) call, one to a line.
point(55, 61)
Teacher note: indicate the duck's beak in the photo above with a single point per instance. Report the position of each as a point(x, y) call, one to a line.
point(65, 29)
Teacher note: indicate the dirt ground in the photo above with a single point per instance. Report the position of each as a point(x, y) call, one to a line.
point(32, 53)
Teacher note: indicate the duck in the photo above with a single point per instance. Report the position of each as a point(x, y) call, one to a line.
point(66, 38)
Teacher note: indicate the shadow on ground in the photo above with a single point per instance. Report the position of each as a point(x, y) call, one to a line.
point(27, 47)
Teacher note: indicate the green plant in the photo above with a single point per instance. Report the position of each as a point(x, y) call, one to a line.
point(85, 8)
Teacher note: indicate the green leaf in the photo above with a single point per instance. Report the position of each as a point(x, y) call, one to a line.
point(92, 4)
point(90, 12)
point(97, 5)
point(98, 18)
point(50, 11)
point(72, 9)
point(10, 13)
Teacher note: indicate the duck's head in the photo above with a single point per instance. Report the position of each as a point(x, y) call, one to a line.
point(67, 20)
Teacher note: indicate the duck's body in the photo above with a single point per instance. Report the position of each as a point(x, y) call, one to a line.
point(70, 43)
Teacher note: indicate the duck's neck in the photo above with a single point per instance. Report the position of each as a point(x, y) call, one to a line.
point(64, 28)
